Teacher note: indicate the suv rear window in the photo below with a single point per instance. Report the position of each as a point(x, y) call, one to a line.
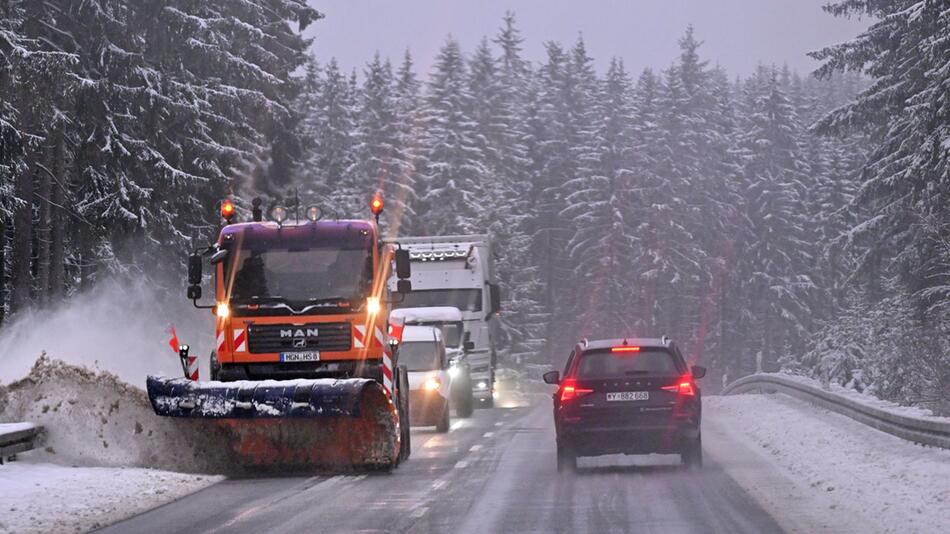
point(606, 364)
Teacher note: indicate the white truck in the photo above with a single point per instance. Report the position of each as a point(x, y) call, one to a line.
point(459, 272)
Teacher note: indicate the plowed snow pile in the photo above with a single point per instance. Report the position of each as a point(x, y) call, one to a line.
point(91, 418)
point(99, 456)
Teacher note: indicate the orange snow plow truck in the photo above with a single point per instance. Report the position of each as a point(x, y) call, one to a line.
point(303, 373)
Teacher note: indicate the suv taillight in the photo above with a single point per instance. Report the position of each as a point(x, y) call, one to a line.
point(569, 390)
point(683, 386)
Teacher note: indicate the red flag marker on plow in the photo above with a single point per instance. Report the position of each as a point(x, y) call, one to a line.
point(189, 363)
point(173, 342)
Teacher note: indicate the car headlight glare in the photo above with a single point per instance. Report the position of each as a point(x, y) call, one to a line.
point(482, 384)
point(432, 384)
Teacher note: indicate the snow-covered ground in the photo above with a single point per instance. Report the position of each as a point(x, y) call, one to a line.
point(98, 457)
point(811, 467)
point(41, 497)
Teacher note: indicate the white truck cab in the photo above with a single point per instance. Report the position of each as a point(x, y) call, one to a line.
point(458, 272)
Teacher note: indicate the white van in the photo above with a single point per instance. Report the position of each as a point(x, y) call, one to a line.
point(422, 352)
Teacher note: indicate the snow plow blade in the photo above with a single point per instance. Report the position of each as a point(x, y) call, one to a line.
point(322, 423)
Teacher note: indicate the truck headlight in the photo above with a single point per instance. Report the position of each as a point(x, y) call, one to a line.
point(372, 305)
point(222, 310)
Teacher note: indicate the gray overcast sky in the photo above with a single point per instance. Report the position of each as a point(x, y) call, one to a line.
point(738, 34)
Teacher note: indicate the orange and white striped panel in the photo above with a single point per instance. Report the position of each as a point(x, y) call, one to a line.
point(240, 340)
point(359, 336)
point(220, 341)
point(387, 362)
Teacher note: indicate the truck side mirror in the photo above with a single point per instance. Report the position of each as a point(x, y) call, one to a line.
point(468, 346)
point(194, 269)
point(403, 287)
point(403, 268)
point(551, 377)
point(194, 292)
point(495, 294)
point(219, 256)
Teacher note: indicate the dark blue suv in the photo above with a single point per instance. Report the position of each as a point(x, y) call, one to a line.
point(627, 396)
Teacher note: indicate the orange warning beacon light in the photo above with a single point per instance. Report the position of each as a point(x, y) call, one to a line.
point(227, 210)
point(376, 205)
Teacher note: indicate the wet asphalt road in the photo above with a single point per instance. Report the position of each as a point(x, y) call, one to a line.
point(492, 473)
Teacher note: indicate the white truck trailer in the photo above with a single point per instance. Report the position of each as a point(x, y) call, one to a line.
point(459, 271)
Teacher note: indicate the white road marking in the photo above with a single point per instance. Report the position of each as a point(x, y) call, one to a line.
point(437, 485)
point(476, 448)
point(499, 424)
point(457, 425)
point(488, 434)
point(419, 512)
point(461, 464)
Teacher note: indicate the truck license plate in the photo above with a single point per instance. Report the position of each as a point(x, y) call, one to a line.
point(628, 396)
point(307, 356)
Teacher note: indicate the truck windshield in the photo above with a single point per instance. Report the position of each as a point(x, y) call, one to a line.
point(463, 299)
point(419, 356)
point(452, 332)
point(301, 275)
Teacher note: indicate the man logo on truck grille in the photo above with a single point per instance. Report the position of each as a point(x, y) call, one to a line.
point(310, 332)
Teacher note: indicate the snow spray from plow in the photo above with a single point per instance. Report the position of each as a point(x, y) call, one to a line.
point(326, 423)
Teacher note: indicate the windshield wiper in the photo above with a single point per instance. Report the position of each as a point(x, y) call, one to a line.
point(258, 300)
point(326, 299)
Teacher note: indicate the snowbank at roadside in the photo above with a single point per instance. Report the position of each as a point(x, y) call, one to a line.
point(812, 467)
point(91, 418)
point(42, 497)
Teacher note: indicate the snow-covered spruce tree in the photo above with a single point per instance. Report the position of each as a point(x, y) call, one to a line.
point(772, 251)
point(603, 209)
point(904, 195)
point(36, 83)
point(551, 123)
point(454, 172)
point(380, 161)
point(407, 93)
point(330, 122)
point(523, 322)
point(140, 130)
point(227, 72)
point(673, 271)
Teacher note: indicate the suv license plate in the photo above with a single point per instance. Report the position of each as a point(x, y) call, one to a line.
point(628, 396)
point(310, 356)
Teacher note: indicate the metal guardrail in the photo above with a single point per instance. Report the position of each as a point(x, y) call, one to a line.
point(918, 430)
point(15, 439)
